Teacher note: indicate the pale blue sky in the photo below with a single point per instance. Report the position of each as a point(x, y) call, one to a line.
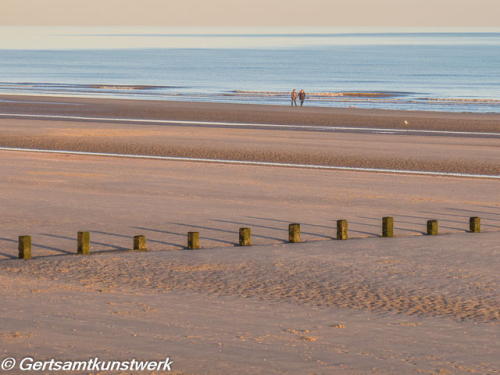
point(403, 13)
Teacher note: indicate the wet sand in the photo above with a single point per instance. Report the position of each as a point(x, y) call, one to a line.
point(249, 113)
point(455, 153)
point(369, 305)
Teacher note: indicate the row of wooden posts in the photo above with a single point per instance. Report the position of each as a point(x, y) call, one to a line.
point(193, 240)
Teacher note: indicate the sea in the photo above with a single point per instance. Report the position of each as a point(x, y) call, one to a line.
point(425, 69)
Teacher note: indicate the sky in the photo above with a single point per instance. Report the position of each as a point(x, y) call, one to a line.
point(334, 13)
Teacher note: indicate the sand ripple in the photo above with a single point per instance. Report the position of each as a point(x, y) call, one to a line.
point(310, 282)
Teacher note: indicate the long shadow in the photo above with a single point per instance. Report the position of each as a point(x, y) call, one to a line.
point(476, 212)
point(489, 225)
point(284, 221)
point(373, 218)
point(448, 220)
point(184, 235)
point(467, 216)
point(366, 225)
point(440, 225)
point(368, 233)
point(380, 226)
point(396, 227)
point(113, 247)
point(8, 256)
point(33, 245)
point(115, 250)
point(265, 227)
point(130, 237)
point(425, 218)
point(370, 218)
point(496, 208)
point(227, 231)
point(440, 213)
point(308, 233)
point(350, 230)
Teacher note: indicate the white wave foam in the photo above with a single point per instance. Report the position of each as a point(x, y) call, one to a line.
point(464, 100)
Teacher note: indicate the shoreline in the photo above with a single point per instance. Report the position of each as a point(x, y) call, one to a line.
point(249, 113)
point(362, 139)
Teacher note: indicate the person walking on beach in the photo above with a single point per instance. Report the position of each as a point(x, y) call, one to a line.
point(302, 97)
point(294, 97)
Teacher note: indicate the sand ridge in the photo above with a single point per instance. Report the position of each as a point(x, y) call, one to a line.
point(385, 151)
point(328, 274)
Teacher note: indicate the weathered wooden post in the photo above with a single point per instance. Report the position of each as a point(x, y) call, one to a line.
point(140, 243)
point(342, 230)
point(83, 247)
point(432, 227)
point(24, 247)
point(475, 224)
point(193, 240)
point(245, 237)
point(294, 233)
point(387, 226)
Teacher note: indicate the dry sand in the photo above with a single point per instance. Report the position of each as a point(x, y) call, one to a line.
point(411, 304)
point(427, 305)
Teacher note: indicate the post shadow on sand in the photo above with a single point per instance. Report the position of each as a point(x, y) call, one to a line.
point(396, 227)
point(467, 216)
point(113, 247)
point(487, 219)
point(333, 227)
point(475, 212)
point(495, 208)
point(441, 220)
point(130, 237)
point(282, 229)
point(34, 246)
point(184, 234)
point(7, 255)
point(227, 231)
point(424, 221)
point(465, 222)
point(288, 222)
point(379, 234)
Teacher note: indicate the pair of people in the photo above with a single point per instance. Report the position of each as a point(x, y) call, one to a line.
point(301, 95)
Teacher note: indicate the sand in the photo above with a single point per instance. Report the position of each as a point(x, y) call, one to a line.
point(150, 109)
point(369, 305)
point(453, 153)
point(377, 306)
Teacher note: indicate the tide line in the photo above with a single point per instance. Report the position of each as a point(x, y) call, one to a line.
point(239, 124)
point(257, 163)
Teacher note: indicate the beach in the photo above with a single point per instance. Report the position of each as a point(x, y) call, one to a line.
point(94, 125)
point(243, 113)
point(369, 305)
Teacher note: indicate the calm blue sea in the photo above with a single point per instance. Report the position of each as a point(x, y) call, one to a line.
point(410, 69)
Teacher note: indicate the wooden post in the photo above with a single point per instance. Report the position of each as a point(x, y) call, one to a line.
point(475, 224)
point(24, 247)
point(193, 240)
point(140, 243)
point(432, 227)
point(245, 237)
point(388, 226)
point(83, 247)
point(294, 233)
point(342, 230)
